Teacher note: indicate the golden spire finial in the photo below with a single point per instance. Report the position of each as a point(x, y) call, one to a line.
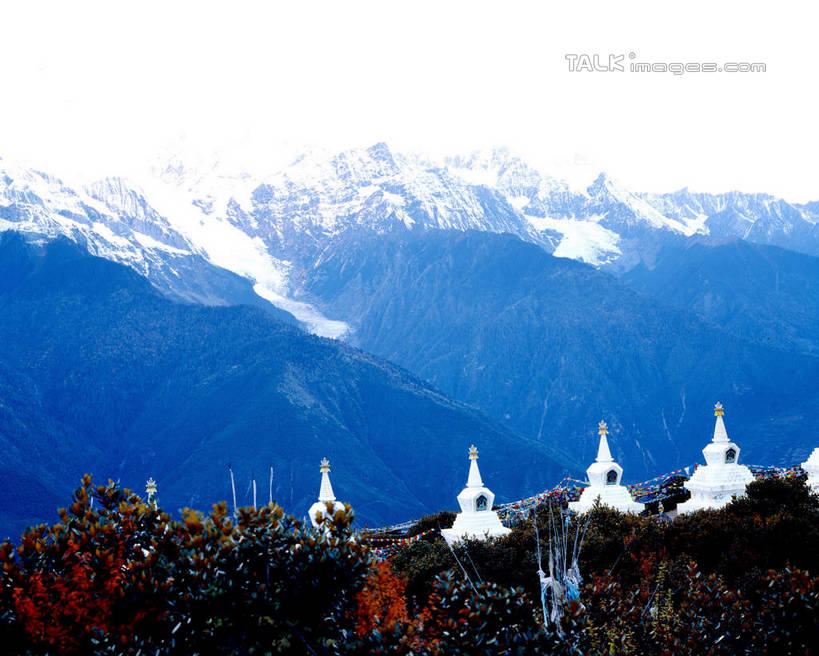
point(473, 452)
point(718, 411)
point(150, 486)
point(324, 468)
point(602, 428)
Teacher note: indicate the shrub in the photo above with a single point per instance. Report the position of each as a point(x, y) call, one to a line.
point(117, 575)
point(122, 576)
point(741, 579)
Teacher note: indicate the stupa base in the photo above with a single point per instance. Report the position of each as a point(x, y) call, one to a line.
point(613, 496)
point(477, 526)
point(713, 487)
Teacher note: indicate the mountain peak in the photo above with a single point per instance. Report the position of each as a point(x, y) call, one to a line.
point(380, 151)
point(263, 227)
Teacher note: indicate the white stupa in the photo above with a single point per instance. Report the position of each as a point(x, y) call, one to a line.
point(713, 485)
point(811, 466)
point(476, 519)
point(150, 491)
point(325, 495)
point(604, 482)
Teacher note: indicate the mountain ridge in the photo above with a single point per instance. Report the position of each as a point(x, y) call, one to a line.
point(761, 293)
point(100, 372)
point(176, 225)
point(549, 346)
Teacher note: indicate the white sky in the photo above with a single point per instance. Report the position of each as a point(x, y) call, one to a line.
point(99, 88)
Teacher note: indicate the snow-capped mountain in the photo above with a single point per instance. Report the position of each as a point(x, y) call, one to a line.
point(202, 210)
point(187, 251)
point(605, 224)
point(759, 218)
point(124, 228)
point(300, 208)
point(188, 224)
point(587, 223)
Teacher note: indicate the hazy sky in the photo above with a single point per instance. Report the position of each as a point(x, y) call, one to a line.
point(94, 88)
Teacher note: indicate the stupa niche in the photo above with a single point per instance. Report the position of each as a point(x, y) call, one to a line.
point(722, 477)
point(604, 482)
point(476, 519)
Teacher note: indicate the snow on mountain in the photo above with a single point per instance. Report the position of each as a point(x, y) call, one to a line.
point(605, 223)
point(36, 203)
point(269, 228)
point(316, 198)
point(584, 240)
point(810, 211)
point(633, 210)
point(759, 218)
point(204, 206)
point(570, 219)
point(171, 241)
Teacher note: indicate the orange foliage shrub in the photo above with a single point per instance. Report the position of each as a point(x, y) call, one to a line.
point(381, 604)
point(63, 610)
point(73, 592)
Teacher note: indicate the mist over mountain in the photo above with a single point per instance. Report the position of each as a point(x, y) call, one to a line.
point(100, 373)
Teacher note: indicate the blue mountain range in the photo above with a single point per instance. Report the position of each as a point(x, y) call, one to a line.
point(386, 311)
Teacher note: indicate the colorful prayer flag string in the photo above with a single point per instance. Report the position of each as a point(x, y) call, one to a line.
point(658, 488)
